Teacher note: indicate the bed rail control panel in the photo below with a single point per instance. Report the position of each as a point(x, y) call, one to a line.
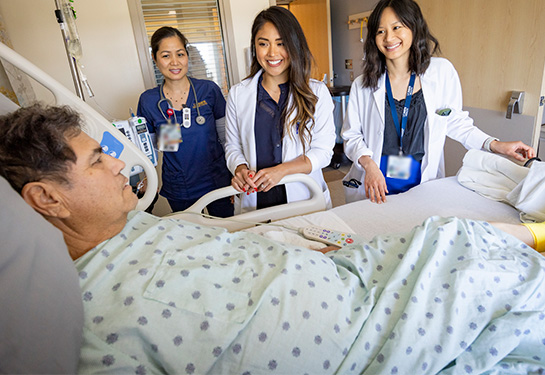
point(330, 237)
point(136, 131)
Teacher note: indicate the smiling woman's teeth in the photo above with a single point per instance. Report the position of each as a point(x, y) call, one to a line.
point(274, 62)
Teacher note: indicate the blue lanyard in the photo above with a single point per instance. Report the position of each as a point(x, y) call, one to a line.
point(405, 115)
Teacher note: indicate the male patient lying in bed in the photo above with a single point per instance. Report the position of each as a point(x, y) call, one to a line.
point(167, 296)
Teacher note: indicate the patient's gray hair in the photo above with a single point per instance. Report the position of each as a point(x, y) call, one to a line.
point(34, 144)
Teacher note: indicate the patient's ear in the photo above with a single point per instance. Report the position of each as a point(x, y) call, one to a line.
point(45, 199)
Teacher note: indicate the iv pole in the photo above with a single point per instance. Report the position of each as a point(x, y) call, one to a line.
point(71, 60)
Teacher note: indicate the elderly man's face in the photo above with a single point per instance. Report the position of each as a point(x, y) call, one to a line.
point(97, 190)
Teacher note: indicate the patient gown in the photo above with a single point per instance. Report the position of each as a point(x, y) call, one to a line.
point(452, 296)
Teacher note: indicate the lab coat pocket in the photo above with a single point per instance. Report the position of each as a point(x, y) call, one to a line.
point(354, 192)
point(437, 127)
point(203, 283)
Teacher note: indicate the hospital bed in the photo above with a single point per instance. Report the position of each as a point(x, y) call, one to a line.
point(444, 197)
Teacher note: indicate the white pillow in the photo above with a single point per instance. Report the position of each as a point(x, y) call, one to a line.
point(41, 315)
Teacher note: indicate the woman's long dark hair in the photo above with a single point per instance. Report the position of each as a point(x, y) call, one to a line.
point(423, 47)
point(304, 100)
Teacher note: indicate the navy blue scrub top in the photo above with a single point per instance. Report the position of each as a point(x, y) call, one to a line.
point(198, 166)
point(268, 129)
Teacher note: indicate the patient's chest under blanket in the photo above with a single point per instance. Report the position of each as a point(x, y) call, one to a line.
point(167, 296)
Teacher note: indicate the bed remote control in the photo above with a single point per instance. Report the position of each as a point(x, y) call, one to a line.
point(330, 237)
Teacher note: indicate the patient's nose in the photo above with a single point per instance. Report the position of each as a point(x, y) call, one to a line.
point(117, 165)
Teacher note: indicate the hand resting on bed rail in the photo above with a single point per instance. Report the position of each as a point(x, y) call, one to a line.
point(169, 296)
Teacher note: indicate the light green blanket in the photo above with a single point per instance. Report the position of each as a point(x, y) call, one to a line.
point(456, 296)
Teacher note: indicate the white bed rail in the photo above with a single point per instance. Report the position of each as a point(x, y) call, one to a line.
point(95, 125)
point(315, 203)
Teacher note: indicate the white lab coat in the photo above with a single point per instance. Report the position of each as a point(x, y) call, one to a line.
point(363, 128)
point(240, 139)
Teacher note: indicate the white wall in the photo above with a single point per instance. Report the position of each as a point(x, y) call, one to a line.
point(109, 49)
point(242, 13)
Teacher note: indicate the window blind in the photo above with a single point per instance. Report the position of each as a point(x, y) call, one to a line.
point(200, 23)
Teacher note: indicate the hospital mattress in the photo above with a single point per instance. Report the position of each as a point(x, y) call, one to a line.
point(442, 197)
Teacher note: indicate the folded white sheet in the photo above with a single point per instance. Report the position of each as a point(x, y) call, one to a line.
point(490, 175)
point(529, 195)
point(495, 177)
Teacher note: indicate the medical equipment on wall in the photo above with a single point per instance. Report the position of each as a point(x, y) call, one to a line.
point(66, 17)
point(94, 124)
point(186, 111)
point(136, 130)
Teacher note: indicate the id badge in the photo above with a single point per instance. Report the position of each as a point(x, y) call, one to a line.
point(186, 117)
point(170, 137)
point(399, 167)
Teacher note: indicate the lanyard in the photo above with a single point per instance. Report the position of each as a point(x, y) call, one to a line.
point(405, 115)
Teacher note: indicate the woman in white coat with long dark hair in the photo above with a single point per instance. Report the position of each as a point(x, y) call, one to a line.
point(403, 106)
point(279, 121)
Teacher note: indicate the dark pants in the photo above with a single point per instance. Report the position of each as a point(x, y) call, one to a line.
point(220, 208)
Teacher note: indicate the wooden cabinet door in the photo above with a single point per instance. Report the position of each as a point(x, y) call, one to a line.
point(314, 17)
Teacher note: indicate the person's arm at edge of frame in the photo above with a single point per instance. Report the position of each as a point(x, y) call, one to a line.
point(532, 234)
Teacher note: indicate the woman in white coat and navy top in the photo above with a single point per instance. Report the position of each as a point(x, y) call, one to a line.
point(278, 120)
point(403, 106)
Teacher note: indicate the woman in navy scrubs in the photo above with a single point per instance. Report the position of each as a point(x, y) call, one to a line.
point(193, 156)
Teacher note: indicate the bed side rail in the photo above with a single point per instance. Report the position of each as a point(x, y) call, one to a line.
point(315, 203)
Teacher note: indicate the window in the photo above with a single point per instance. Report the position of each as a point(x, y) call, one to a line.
point(199, 21)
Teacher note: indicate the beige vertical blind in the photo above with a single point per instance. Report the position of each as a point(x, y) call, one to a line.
point(199, 21)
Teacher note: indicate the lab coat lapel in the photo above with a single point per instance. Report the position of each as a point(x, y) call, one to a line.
point(248, 101)
point(435, 131)
point(379, 97)
point(428, 90)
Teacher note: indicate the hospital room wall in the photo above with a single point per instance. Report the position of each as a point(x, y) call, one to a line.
point(496, 47)
point(110, 57)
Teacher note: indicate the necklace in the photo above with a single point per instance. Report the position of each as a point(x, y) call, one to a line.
point(179, 99)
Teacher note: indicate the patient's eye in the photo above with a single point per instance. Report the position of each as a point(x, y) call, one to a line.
point(98, 159)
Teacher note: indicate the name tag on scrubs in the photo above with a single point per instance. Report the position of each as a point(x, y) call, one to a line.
point(399, 167)
point(170, 137)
